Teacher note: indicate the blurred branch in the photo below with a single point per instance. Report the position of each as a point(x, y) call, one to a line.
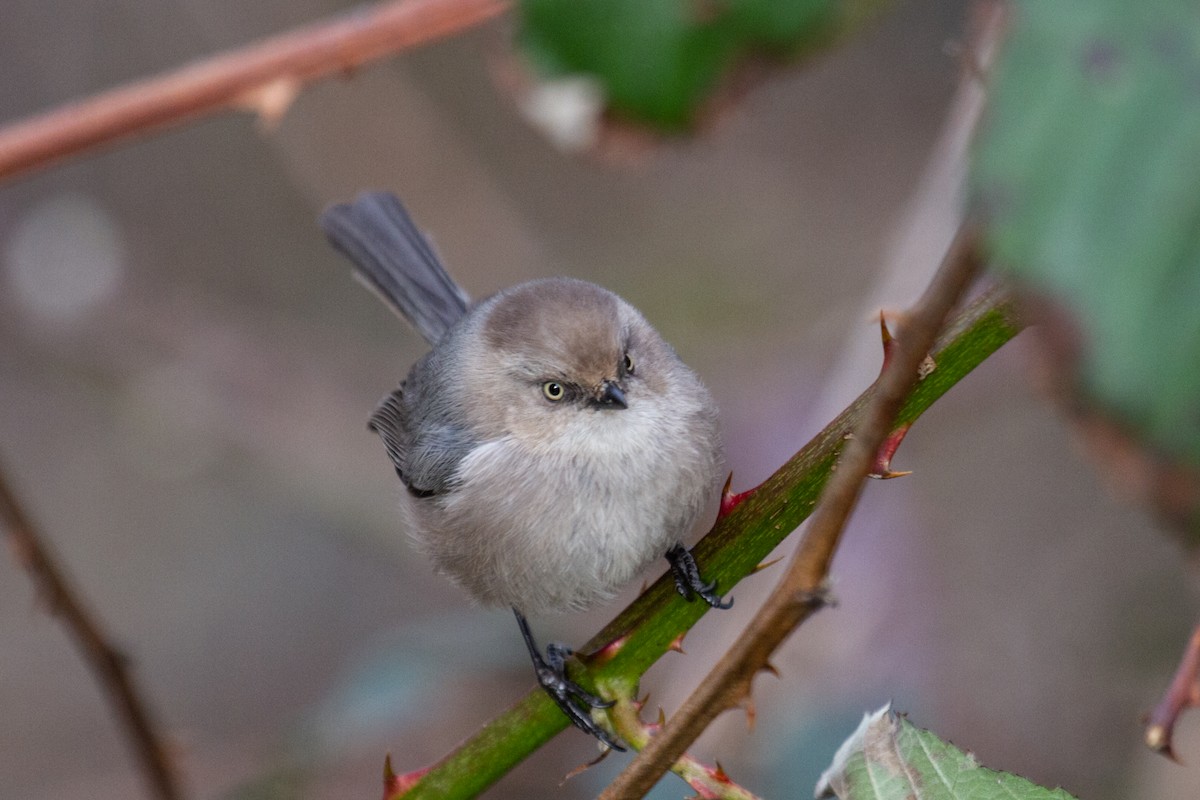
point(657, 621)
point(264, 77)
point(800, 592)
point(106, 662)
point(1182, 694)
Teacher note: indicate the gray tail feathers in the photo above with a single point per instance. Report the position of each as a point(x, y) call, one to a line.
point(394, 259)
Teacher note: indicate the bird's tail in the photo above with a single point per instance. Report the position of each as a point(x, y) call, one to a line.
point(394, 260)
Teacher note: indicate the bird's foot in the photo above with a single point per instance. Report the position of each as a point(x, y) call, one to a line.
point(688, 581)
point(575, 701)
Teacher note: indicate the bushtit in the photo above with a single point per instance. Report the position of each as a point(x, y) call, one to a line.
point(552, 445)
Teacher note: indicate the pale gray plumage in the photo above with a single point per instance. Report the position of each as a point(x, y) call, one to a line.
point(552, 444)
point(524, 501)
point(556, 505)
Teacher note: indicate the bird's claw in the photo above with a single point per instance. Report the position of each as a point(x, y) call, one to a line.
point(575, 701)
point(688, 581)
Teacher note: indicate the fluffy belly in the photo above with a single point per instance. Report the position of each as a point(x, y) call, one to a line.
point(556, 534)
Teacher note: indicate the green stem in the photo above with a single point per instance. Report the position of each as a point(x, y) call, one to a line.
point(644, 631)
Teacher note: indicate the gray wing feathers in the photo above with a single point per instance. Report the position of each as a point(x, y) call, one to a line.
point(425, 462)
point(394, 259)
point(387, 421)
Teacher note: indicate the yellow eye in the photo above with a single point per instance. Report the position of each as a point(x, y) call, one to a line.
point(553, 390)
point(628, 364)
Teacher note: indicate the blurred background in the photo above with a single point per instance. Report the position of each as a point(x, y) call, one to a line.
point(186, 369)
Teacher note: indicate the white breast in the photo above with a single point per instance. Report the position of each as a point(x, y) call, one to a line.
point(561, 525)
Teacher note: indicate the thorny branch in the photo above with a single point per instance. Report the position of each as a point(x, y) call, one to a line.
point(264, 77)
point(106, 662)
point(800, 592)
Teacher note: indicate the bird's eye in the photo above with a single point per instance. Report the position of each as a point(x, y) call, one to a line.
point(553, 390)
point(628, 364)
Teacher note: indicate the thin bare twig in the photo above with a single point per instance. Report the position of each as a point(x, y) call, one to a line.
point(800, 592)
point(1183, 693)
point(263, 77)
point(107, 663)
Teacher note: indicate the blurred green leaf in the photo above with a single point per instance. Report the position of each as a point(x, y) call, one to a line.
point(1088, 172)
point(655, 61)
point(658, 60)
point(889, 758)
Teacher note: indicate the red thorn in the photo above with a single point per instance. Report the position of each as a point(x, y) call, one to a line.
point(720, 774)
point(881, 468)
point(609, 650)
point(638, 705)
point(394, 786)
point(730, 500)
point(677, 644)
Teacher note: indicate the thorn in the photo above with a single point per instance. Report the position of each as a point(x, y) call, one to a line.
point(389, 774)
point(720, 774)
point(751, 710)
point(608, 651)
point(638, 705)
point(662, 718)
point(881, 468)
point(396, 785)
point(391, 787)
point(730, 500)
point(769, 668)
point(582, 768)
point(766, 564)
point(677, 644)
point(889, 341)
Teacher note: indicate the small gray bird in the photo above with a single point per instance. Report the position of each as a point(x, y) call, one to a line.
point(553, 446)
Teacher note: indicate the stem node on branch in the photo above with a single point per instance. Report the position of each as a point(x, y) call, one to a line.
point(264, 77)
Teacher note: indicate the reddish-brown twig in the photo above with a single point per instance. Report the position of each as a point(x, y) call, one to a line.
point(800, 592)
point(106, 662)
point(263, 77)
point(1183, 693)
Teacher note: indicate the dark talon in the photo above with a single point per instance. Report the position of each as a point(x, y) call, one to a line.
point(688, 581)
point(573, 699)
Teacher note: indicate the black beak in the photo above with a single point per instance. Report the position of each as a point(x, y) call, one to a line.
point(611, 396)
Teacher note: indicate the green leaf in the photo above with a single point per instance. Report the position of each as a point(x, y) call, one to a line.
point(657, 61)
point(1088, 174)
point(889, 758)
point(654, 59)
